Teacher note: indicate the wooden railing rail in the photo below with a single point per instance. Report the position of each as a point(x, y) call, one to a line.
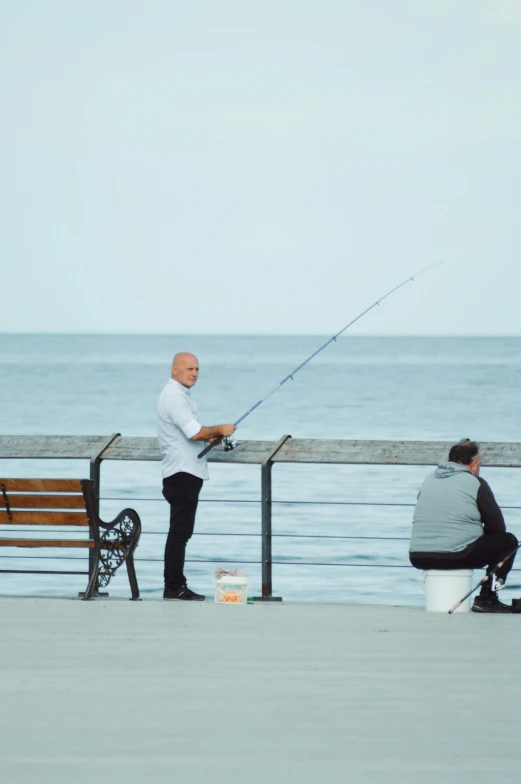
point(294, 450)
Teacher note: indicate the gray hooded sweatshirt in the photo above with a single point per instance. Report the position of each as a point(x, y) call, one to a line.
point(454, 508)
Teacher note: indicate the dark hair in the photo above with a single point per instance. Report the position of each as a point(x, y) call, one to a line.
point(464, 452)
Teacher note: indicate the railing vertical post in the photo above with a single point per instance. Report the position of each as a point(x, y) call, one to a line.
point(95, 476)
point(266, 533)
point(267, 576)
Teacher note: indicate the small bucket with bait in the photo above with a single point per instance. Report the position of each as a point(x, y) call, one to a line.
point(231, 587)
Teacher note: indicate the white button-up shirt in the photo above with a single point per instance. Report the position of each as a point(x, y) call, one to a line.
point(177, 422)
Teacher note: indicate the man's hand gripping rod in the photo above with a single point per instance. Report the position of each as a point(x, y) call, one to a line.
point(230, 444)
point(484, 580)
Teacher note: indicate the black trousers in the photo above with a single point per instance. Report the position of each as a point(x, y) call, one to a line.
point(487, 551)
point(181, 490)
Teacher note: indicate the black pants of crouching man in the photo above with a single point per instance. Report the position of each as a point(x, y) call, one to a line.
point(181, 490)
point(487, 551)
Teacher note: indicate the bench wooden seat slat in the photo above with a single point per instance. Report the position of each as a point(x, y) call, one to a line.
point(44, 518)
point(42, 485)
point(11, 542)
point(18, 501)
point(47, 543)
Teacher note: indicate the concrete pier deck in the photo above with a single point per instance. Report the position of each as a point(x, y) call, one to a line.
point(157, 692)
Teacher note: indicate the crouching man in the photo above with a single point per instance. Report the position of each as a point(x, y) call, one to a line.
point(458, 525)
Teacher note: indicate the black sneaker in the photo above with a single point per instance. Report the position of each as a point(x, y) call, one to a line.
point(516, 606)
point(489, 604)
point(183, 594)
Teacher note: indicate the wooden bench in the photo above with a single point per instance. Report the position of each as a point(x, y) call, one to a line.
point(71, 502)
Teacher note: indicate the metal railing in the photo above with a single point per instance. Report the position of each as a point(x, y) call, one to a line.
point(98, 449)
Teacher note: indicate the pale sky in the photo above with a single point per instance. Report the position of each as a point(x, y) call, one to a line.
point(240, 167)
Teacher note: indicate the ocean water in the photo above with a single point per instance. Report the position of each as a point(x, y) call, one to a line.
point(341, 532)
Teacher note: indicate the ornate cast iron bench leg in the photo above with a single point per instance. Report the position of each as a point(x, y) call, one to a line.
point(114, 543)
point(117, 544)
point(132, 576)
point(93, 578)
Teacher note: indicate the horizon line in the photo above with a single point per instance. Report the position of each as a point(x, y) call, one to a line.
point(253, 335)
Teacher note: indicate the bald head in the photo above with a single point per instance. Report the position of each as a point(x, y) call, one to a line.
point(185, 369)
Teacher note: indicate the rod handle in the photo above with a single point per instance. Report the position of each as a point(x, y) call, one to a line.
point(210, 446)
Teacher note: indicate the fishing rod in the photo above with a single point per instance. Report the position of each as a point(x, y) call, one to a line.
point(490, 574)
point(229, 444)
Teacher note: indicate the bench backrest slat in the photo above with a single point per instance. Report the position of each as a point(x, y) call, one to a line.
point(40, 501)
point(43, 518)
point(64, 496)
point(42, 485)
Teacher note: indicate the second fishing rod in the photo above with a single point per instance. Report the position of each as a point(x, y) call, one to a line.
point(293, 373)
point(495, 583)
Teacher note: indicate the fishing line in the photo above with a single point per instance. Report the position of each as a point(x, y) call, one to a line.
point(230, 445)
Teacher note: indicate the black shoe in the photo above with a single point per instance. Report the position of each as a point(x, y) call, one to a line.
point(489, 604)
point(516, 606)
point(183, 594)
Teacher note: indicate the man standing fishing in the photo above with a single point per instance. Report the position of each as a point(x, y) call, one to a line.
point(178, 433)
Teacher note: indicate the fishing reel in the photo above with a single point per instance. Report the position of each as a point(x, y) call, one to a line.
point(496, 583)
point(229, 444)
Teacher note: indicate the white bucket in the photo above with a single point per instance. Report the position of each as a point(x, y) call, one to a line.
point(443, 588)
point(231, 589)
